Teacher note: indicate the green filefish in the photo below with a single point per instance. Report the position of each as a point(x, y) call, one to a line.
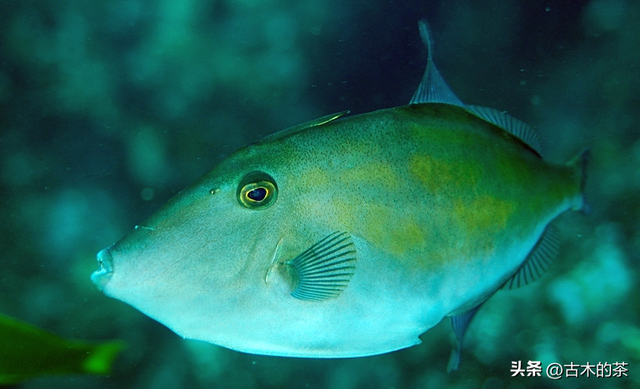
point(29, 352)
point(350, 236)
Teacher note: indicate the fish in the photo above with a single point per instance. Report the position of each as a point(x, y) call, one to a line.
point(350, 236)
point(29, 352)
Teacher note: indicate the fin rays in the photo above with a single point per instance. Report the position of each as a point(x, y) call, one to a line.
point(459, 324)
point(432, 88)
point(510, 124)
point(324, 270)
point(538, 261)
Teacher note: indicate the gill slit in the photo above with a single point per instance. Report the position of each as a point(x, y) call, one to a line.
point(274, 261)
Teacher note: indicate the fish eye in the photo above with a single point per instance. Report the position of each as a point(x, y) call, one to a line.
point(257, 190)
point(258, 194)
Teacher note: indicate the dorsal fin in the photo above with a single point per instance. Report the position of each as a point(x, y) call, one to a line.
point(324, 270)
point(432, 88)
point(292, 130)
point(538, 260)
point(510, 124)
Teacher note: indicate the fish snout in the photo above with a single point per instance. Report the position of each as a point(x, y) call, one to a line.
point(102, 276)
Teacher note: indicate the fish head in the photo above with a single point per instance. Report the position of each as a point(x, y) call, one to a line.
point(207, 252)
point(218, 261)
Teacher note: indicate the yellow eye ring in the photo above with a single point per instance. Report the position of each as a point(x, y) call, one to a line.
point(257, 190)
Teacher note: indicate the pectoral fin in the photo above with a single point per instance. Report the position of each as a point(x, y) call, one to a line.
point(324, 270)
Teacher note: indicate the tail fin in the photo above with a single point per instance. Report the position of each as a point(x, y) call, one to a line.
point(580, 162)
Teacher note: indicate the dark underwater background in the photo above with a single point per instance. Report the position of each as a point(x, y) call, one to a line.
point(107, 109)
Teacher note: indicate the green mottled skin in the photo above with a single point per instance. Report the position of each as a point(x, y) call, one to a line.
point(443, 207)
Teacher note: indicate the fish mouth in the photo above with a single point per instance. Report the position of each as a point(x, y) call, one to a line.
point(102, 276)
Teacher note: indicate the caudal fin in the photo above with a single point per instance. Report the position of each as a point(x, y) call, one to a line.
point(580, 162)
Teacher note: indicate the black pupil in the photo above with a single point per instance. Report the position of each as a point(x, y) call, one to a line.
point(257, 194)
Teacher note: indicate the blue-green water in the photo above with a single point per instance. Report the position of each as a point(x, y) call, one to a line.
point(107, 109)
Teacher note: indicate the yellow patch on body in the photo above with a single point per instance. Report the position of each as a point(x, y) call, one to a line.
point(437, 175)
point(466, 208)
point(389, 230)
point(481, 219)
point(484, 214)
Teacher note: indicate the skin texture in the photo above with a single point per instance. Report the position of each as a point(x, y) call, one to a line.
point(441, 206)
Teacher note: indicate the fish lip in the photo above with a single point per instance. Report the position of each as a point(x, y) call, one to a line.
point(102, 276)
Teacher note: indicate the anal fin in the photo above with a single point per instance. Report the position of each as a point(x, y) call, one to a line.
point(538, 260)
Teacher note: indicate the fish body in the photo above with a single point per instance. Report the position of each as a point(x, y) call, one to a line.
point(349, 236)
